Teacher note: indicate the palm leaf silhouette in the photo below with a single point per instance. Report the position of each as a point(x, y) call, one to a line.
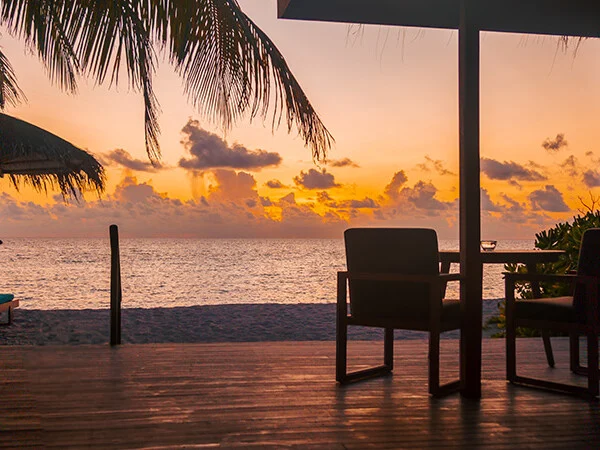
point(230, 68)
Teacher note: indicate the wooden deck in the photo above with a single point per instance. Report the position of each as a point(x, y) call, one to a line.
point(274, 395)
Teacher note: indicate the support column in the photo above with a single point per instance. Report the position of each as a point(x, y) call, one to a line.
point(471, 268)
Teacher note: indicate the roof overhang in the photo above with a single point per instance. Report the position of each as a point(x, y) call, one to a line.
point(552, 17)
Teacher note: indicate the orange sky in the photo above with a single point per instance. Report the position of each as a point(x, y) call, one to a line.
point(388, 95)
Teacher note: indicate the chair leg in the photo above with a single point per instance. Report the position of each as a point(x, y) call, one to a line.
point(574, 353)
point(9, 313)
point(388, 348)
point(548, 347)
point(593, 371)
point(341, 349)
point(341, 356)
point(511, 346)
point(434, 363)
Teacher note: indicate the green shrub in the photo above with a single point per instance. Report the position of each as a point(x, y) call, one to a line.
point(563, 236)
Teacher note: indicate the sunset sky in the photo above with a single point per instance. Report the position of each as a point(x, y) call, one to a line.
point(388, 95)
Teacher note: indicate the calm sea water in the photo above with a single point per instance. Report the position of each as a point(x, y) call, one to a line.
point(74, 273)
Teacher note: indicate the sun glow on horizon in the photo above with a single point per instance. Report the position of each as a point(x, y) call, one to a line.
point(393, 110)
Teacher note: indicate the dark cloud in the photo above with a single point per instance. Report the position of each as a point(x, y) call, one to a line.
point(570, 166)
point(123, 158)
point(392, 190)
point(209, 151)
point(423, 196)
point(554, 145)
point(313, 179)
point(534, 165)
point(497, 170)
point(346, 162)
point(513, 205)
point(487, 204)
point(324, 198)
point(364, 203)
point(266, 201)
point(435, 164)
point(290, 198)
point(275, 184)
point(515, 184)
point(591, 178)
point(548, 199)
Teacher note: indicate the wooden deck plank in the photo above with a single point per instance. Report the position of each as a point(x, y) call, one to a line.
point(273, 395)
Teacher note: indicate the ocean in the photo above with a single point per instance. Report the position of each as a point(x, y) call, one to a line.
point(59, 274)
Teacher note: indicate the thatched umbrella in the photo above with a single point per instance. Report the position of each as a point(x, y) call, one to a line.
point(36, 157)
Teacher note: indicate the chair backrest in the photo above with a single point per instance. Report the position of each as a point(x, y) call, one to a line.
point(589, 265)
point(409, 251)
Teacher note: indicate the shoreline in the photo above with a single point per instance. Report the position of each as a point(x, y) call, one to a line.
point(213, 323)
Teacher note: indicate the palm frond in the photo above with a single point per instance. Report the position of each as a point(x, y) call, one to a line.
point(231, 68)
point(39, 23)
point(106, 33)
point(10, 92)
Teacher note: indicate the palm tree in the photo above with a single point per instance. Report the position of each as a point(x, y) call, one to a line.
point(229, 66)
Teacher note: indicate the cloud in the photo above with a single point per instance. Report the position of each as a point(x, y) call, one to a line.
point(266, 201)
point(422, 196)
point(324, 198)
point(570, 165)
point(513, 205)
point(435, 164)
point(123, 158)
point(346, 162)
point(230, 185)
point(129, 191)
point(233, 210)
point(392, 190)
point(364, 203)
point(548, 199)
point(487, 204)
point(515, 184)
point(554, 145)
point(313, 179)
point(209, 151)
point(289, 198)
point(275, 184)
point(591, 178)
point(497, 170)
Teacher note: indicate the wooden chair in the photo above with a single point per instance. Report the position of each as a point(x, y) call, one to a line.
point(394, 283)
point(576, 315)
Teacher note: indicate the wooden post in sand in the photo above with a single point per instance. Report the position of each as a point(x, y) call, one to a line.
point(115, 287)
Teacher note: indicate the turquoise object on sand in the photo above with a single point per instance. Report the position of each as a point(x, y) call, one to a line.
point(5, 298)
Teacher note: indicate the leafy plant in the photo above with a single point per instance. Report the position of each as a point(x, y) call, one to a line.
point(563, 236)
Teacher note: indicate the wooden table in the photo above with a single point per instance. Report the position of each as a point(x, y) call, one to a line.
point(470, 351)
point(528, 257)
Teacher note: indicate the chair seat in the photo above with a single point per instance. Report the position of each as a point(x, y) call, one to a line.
point(412, 319)
point(557, 309)
point(5, 298)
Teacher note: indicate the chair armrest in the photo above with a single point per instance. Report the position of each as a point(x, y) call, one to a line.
point(589, 280)
point(512, 277)
point(450, 276)
point(437, 278)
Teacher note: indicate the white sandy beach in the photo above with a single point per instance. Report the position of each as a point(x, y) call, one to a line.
point(218, 323)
